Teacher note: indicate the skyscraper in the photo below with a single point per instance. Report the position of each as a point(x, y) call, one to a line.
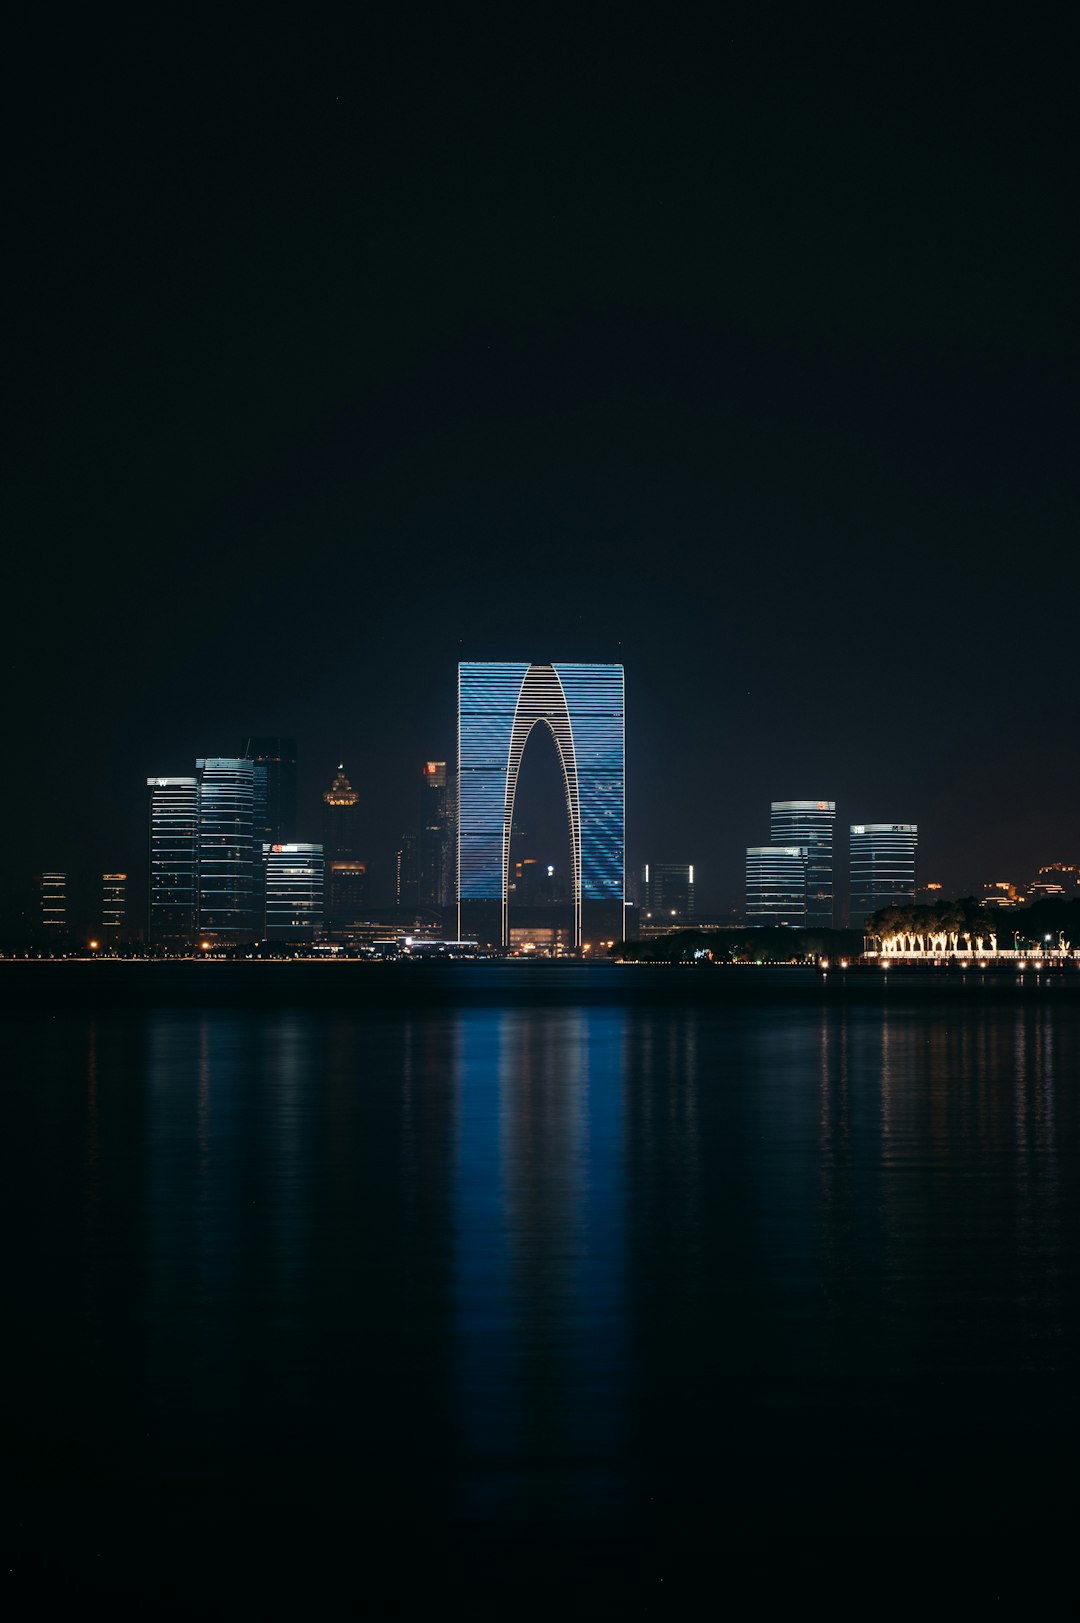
point(882, 867)
point(229, 852)
point(113, 906)
point(346, 876)
point(54, 922)
point(294, 891)
point(435, 847)
point(667, 895)
point(173, 890)
point(406, 874)
point(206, 872)
point(498, 707)
point(776, 884)
point(276, 820)
point(810, 823)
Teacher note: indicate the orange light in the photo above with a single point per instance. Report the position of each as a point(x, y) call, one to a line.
point(205, 945)
point(94, 945)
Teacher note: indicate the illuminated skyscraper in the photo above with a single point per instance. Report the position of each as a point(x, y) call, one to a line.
point(435, 852)
point(498, 707)
point(173, 915)
point(809, 823)
point(53, 887)
point(346, 873)
point(113, 906)
point(229, 852)
point(776, 884)
point(276, 820)
point(294, 891)
point(882, 867)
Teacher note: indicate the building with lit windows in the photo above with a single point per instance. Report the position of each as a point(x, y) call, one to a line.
point(173, 890)
point(667, 897)
point(206, 869)
point(809, 824)
point(113, 906)
point(276, 811)
point(346, 872)
point(53, 915)
point(882, 867)
point(583, 707)
point(232, 791)
point(776, 884)
point(435, 845)
point(294, 891)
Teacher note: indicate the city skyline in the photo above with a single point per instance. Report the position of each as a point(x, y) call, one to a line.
point(834, 884)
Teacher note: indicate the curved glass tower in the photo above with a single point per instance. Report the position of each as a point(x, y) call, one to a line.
point(498, 707)
point(809, 823)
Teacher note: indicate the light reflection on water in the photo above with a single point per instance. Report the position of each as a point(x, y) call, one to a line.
point(582, 1273)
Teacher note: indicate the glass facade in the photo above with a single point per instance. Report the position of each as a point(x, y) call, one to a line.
point(174, 867)
point(810, 824)
point(583, 705)
point(229, 852)
point(275, 813)
point(435, 861)
point(882, 867)
point(294, 891)
point(776, 884)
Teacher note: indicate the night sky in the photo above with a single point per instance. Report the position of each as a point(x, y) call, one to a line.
point(747, 358)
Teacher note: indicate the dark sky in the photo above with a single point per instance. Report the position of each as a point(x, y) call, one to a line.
point(747, 357)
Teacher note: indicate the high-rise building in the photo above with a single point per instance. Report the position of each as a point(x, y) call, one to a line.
point(294, 891)
point(776, 884)
point(346, 884)
point(583, 707)
point(810, 823)
point(229, 852)
point(346, 872)
point(54, 921)
point(406, 874)
point(667, 894)
point(435, 849)
point(113, 906)
point(882, 867)
point(173, 890)
point(276, 814)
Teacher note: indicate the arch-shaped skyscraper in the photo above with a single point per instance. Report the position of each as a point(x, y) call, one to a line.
point(498, 707)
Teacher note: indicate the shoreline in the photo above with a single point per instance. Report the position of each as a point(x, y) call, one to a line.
point(313, 983)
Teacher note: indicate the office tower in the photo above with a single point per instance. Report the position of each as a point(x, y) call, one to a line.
point(776, 884)
point(407, 885)
point(341, 836)
point(583, 707)
point(810, 823)
point(435, 853)
point(294, 891)
point(346, 873)
point(667, 893)
point(276, 821)
point(113, 906)
point(173, 890)
point(229, 853)
point(346, 888)
point(53, 888)
point(882, 867)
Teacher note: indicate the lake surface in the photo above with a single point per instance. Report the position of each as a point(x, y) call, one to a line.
point(577, 1295)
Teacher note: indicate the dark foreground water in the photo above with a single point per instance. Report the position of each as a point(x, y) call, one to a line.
point(614, 1299)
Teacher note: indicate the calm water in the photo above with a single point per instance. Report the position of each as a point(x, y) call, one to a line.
point(577, 1291)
